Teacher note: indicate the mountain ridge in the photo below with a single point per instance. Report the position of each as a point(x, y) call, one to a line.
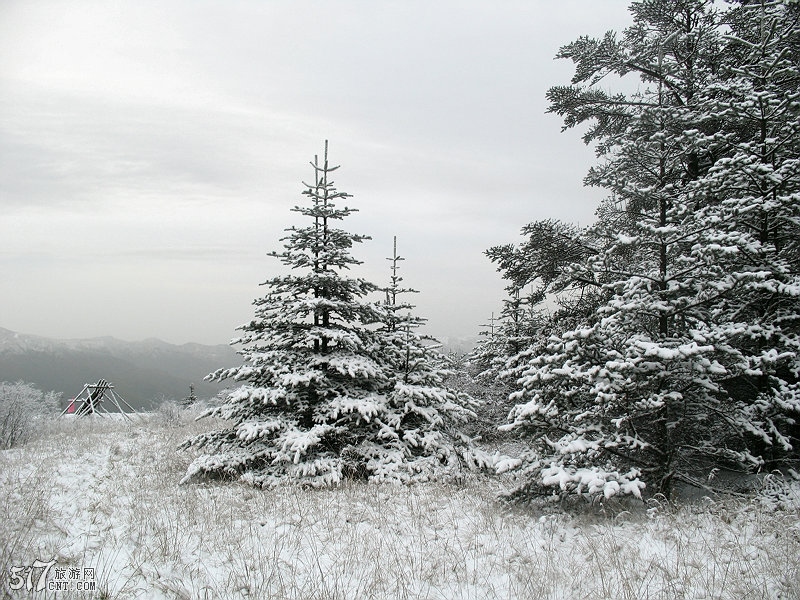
point(143, 372)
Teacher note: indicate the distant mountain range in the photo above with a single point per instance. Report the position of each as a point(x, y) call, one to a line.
point(143, 373)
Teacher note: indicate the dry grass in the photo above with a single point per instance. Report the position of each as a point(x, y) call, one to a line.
point(105, 495)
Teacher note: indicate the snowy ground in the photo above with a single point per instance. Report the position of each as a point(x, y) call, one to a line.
point(104, 495)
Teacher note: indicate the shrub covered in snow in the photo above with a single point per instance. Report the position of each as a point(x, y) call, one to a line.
point(169, 412)
point(21, 405)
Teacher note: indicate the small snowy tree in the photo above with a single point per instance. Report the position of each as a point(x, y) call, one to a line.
point(489, 352)
point(425, 413)
point(547, 291)
point(327, 393)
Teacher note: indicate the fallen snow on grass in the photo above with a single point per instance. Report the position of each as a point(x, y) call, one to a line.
point(105, 495)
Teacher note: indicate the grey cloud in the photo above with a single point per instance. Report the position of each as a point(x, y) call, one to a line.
point(154, 142)
point(73, 149)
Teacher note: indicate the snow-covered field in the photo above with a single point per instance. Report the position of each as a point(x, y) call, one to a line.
point(103, 495)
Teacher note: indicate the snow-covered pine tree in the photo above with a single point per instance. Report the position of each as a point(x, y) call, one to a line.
point(423, 412)
point(750, 207)
point(488, 353)
point(639, 391)
point(395, 320)
point(546, 292)
point(503, 338)
point(324, 397)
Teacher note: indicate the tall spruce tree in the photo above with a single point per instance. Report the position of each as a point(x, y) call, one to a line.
point(326, 396)
point(640, 391)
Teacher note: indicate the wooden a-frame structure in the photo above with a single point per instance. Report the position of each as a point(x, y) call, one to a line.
point(90, 401)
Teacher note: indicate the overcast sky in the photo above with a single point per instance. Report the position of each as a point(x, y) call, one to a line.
point(150, 151)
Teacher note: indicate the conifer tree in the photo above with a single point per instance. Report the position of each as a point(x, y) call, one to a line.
point(325, 396)
point(425, 413)
point(750, 204)
point(489, 352)
point(640, 390)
